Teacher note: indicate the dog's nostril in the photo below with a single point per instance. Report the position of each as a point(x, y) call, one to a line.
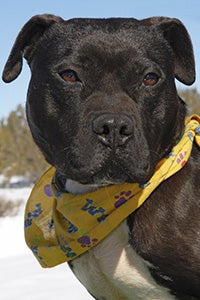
point(113, 129)
point(105, 129)
point(122, 130)
point(125, 130)
point(103, 125)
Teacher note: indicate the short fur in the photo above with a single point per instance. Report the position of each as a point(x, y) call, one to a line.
point(109, 127)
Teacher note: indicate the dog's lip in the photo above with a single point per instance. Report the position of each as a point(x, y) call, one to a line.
point(99, 176)
point(105, 175)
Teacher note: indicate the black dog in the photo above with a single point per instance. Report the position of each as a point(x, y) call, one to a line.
point(103, 108)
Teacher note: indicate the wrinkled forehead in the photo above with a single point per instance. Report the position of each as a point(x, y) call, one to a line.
point(88, 41)
point(135, 35)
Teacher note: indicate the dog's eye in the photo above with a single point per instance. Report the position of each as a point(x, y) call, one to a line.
point(69, 75)
point(150, 79)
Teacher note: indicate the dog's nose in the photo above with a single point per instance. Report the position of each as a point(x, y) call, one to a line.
point(113, 130)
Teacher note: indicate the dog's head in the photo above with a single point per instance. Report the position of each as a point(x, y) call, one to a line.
point(102, 103)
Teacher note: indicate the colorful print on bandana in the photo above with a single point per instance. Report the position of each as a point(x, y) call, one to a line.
point(94, 210)
point(181, 160)
point(144, 185)
point(65, 247)
point(86, 241)
point(51, 224)
point(71, 228)
point(82, 221)
point(190, 136)
point(197, 130)
point(35, 252)
point(33, 215)
point(49, 193)
point(122, 198)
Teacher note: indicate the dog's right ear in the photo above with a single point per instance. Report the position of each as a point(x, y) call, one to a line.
point(25, 43)
point(178, 38)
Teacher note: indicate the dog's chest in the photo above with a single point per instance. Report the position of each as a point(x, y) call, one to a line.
point(112, 270)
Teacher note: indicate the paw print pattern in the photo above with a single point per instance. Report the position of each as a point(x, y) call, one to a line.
point(181, 160)
point(49, 193)
point(86, 241)
point(48, 190)
point(122, 198)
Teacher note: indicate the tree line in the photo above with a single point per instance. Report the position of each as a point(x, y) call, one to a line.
point(18, 153)
point(20, 156)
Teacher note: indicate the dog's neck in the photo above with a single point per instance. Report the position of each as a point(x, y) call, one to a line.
point(64, 184)
point(76, 188)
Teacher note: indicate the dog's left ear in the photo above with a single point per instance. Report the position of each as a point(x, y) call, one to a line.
point(26, 42)
point(176, 34)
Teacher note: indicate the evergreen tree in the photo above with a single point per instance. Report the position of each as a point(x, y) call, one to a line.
point(18, 153)
point(192, 99)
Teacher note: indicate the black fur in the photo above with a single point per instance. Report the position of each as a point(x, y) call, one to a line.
point(71, 123)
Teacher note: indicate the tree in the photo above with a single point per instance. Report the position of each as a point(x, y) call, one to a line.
point(192, 99)
point(18, 153)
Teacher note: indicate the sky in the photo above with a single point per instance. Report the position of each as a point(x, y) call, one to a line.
point(14, 14)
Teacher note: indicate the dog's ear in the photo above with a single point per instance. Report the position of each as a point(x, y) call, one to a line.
point(25, 43)
point(176, 34)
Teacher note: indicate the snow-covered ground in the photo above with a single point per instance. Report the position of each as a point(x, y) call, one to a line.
point(21, 276)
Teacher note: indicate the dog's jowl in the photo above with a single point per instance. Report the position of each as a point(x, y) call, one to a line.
point(103, 108)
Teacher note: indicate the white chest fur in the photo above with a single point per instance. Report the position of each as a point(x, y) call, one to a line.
point(113, 271)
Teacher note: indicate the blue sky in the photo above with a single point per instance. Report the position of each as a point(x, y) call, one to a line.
point(15, 13)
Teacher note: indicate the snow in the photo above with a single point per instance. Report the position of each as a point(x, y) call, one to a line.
point(21, 276)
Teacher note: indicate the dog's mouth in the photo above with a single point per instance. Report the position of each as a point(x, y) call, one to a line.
point(103, 165)
point(111, 172)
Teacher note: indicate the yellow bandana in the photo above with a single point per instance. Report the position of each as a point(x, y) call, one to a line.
point(60, 226)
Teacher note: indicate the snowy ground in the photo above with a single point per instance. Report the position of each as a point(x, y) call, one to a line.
point(21, 277)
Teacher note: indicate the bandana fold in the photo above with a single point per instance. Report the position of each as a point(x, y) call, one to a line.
point(61, 226)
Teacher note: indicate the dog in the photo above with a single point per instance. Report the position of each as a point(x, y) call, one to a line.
point(103, 108)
